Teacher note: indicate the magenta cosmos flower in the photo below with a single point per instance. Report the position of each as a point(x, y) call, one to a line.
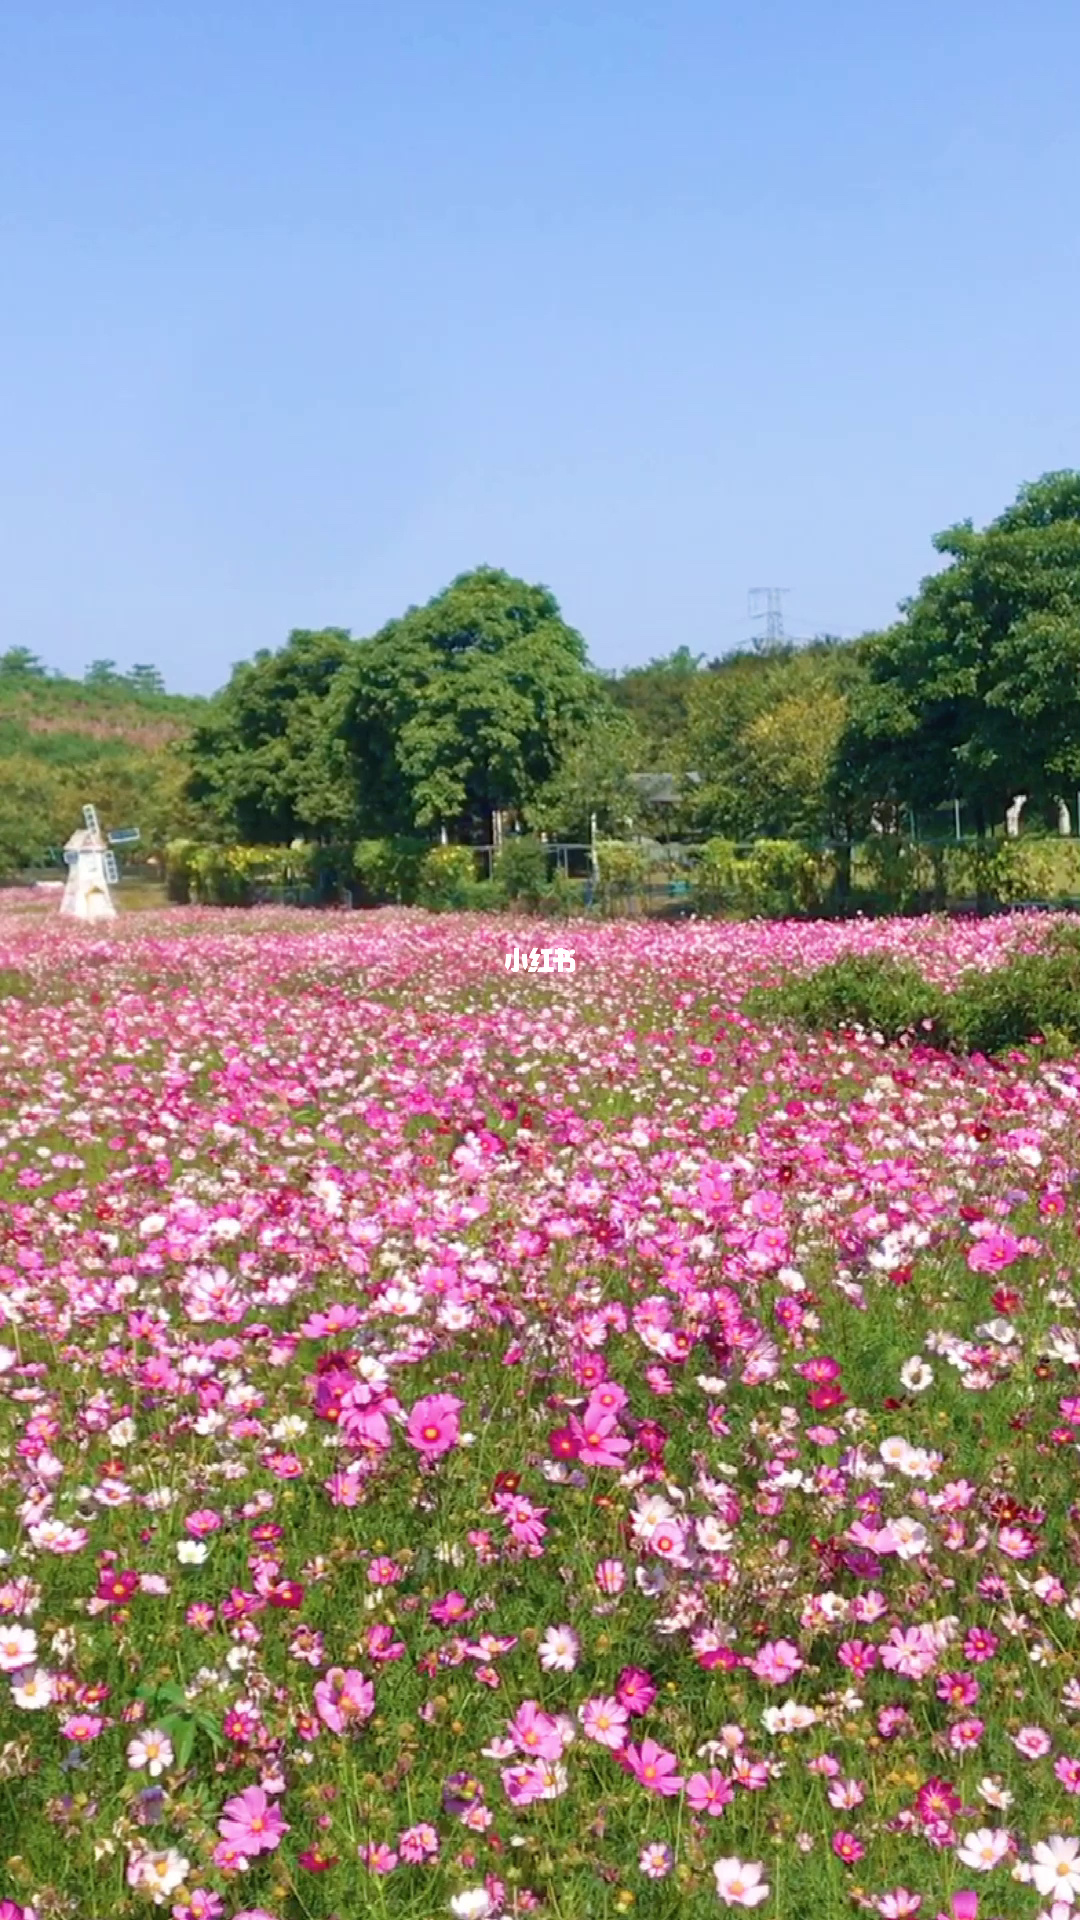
point(433, 1425)
point(252, 1823)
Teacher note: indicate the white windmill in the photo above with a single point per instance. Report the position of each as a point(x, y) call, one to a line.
point(91, 865)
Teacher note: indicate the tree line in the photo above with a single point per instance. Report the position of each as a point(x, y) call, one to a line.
point(483, 702)
point(481, 711)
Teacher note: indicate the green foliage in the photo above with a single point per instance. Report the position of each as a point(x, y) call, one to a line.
point(179, 866)
point(521, 869)
point(780, 877)
point(975, 693)
point(592, 776)
point(716, 880)
point(445, 876)
point(872, 991)
point(773, 880)
point(763, 732)
point(656, 699)
point(265, 765)
point(464, 706)
point(229, 876)
point(899, 874)
point(1034, 997)
point(622, 872)
point(387, 872)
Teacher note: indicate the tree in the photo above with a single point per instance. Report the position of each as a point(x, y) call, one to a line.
point(592, 777)
point(763, 731)
point(146, 679)
point(264, 762)
point(975, 693)
point(102, 673)
point(656, 697)
point(464, 706)
point(18, 663)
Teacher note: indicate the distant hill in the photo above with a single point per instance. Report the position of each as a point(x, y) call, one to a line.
point(111, 738)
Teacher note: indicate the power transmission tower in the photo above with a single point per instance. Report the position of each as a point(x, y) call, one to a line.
point(772, 613)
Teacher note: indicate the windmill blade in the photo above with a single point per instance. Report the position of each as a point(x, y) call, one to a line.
point(123, 836)
point(111, 872)
point(89, 814)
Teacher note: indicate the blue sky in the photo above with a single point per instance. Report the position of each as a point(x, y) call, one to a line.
point(308, 307)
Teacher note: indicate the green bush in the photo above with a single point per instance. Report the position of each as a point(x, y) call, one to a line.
point(388, 871)
point(622, 869)
point(716, 878)
point(445, 876)
point(179, 857)
point(521, 868)
point(871, 991)
point(778, 878)
point(898, 874)
point(998, 872)
point(1033, 996)
point(1036, 995)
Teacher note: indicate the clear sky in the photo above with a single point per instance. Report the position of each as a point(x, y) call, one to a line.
point(305, 308)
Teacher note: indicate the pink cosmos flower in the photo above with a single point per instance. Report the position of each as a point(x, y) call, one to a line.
point(344, 1699)
point(605, 1721)
point(525, 1784)
point(599, 1443)
point(433, 1426)
point(654, 1766)
point(1033, 1742)
point(82, 1727)
point(418, 1844)
point(994, 1250)
point(898, 1905)
point(709, 1792)
point(847, 1847)
point(776, 1663)
point(610, 1576)
point(252, 1823)
point(535, 1732)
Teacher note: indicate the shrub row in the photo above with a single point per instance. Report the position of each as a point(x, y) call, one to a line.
point(1035, 997)
point(372, 873)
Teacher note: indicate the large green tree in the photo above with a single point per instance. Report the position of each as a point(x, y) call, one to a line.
point(975, 693)
point(657, 698)
point(266, 765)
point(464, 706)
point(762, 730)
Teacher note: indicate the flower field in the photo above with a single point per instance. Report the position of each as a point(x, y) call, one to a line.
point(480, 1443)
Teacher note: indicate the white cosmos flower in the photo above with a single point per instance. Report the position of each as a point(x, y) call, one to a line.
point(741, 1883)
point(158, 1874)
point(984, 1849)
point(18, 1648)
point(790, 1718)
point(191, 1553)
point(33, 1689)
point(916, 1375)
point(475, 1904)
point(152, 1750)
point(1055, 1866)
point(558, 1650)
point(910, 1535)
